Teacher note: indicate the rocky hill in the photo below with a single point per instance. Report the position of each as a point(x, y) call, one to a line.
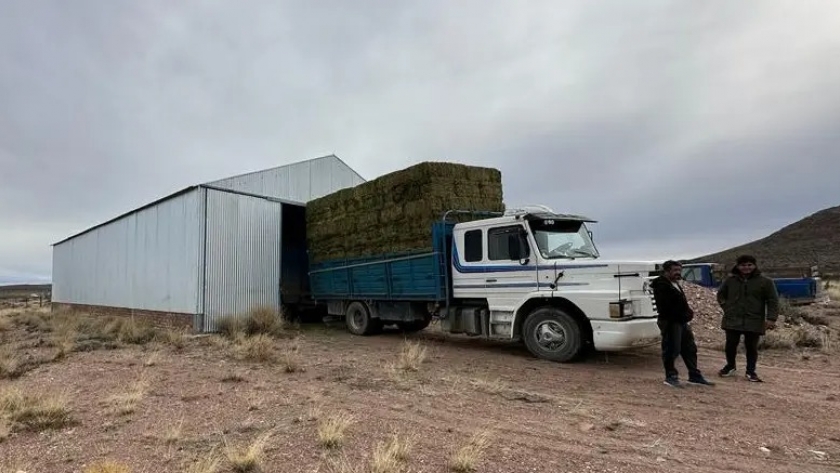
point(790, 251)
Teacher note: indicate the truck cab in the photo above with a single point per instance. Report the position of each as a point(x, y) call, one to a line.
point(536, 276)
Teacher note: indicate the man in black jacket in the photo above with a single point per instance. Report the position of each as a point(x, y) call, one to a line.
point(674, 317)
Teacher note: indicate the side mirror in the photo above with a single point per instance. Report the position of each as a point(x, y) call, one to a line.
point(518, 248)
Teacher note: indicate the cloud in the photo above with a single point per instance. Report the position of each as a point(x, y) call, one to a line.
point(680, 126)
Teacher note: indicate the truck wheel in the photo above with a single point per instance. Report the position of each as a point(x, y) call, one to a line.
point(359, 321)
point(552, 334)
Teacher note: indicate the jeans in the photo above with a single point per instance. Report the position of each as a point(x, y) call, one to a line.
point(733, 338)
point(678, 340)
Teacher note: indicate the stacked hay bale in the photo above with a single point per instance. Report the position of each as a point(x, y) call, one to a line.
point(395, 213)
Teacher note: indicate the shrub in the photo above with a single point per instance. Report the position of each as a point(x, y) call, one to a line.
point(33, 411)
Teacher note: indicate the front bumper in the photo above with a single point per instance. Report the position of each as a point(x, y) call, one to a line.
point(610, 335)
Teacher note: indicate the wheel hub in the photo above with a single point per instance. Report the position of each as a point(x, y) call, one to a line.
point(357, 319)
point(551, 335)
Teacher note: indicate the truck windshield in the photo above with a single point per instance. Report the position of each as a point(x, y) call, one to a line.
point(563, 239)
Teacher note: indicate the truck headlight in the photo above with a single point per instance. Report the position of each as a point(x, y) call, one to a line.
point(621, 309)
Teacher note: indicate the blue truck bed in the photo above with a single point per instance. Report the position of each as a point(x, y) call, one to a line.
point(797, 289)
point(418, 276)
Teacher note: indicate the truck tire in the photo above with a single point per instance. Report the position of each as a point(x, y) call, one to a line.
point(359, 321)
point(552, 334)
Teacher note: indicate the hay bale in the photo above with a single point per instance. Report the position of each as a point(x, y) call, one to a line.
point(395, 213)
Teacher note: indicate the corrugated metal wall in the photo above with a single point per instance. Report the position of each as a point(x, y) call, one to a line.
point(148, 260)
point(298, 182)
point(242, 266)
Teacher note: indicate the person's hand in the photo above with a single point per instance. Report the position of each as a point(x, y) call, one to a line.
point(769, 325)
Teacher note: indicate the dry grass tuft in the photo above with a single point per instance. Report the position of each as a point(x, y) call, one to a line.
point(468, 456)
point(233, 377)
point(331, 430)
point(132, 331)
point(176, 338)
point(65, 331)
point(259, 321)
point(211, 463)
point(827, 345)
point(217, 342)
point(797, 336)
point(172, 435)
point(249, 459)
point(833, 291)
point(490, 386)
point(127, 402)
point(252, 337)
point(231, 326)
point(340, 464)
point(107, 466)
point(153, 359)
point(391, 456)
point(290, 358)
point(411, 357)
point(265, 320)
point(74, 331)
point(260, 348)
point(6, 323)
point(10, 365)
point(792, 314)
point(33, 411)
point(815, 318)
point(33, 321)
point(5, 430)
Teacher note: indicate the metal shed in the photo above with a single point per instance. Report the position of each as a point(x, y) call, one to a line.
point(203, 252)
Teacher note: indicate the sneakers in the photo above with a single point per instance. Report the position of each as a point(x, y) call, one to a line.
point(673, 382)
point(726, 371)
point(753, 378)
point(701, 381)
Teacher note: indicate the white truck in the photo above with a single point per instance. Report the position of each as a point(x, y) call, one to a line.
point(527, 274)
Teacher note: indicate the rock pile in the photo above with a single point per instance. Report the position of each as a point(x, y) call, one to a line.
point(707, 313)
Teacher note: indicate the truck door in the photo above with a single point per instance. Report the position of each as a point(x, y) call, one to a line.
point(469, 263)
point(511, 271)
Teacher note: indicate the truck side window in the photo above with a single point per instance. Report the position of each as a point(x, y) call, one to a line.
point(500, 240)
point(473, 250)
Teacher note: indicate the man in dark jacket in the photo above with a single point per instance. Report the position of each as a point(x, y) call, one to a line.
point(674, 317)
point(750, 305)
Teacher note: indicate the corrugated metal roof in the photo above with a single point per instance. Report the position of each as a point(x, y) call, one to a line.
point(283, 166)
point(300, 182)
point(130, 212)
point(213, 185)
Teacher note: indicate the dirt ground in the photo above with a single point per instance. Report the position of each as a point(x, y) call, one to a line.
point(166, 405)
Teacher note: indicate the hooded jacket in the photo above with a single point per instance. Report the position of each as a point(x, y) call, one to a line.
point(748, 302)
point(671, 303)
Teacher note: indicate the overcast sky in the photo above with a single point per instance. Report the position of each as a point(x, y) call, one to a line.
point(683, 127)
